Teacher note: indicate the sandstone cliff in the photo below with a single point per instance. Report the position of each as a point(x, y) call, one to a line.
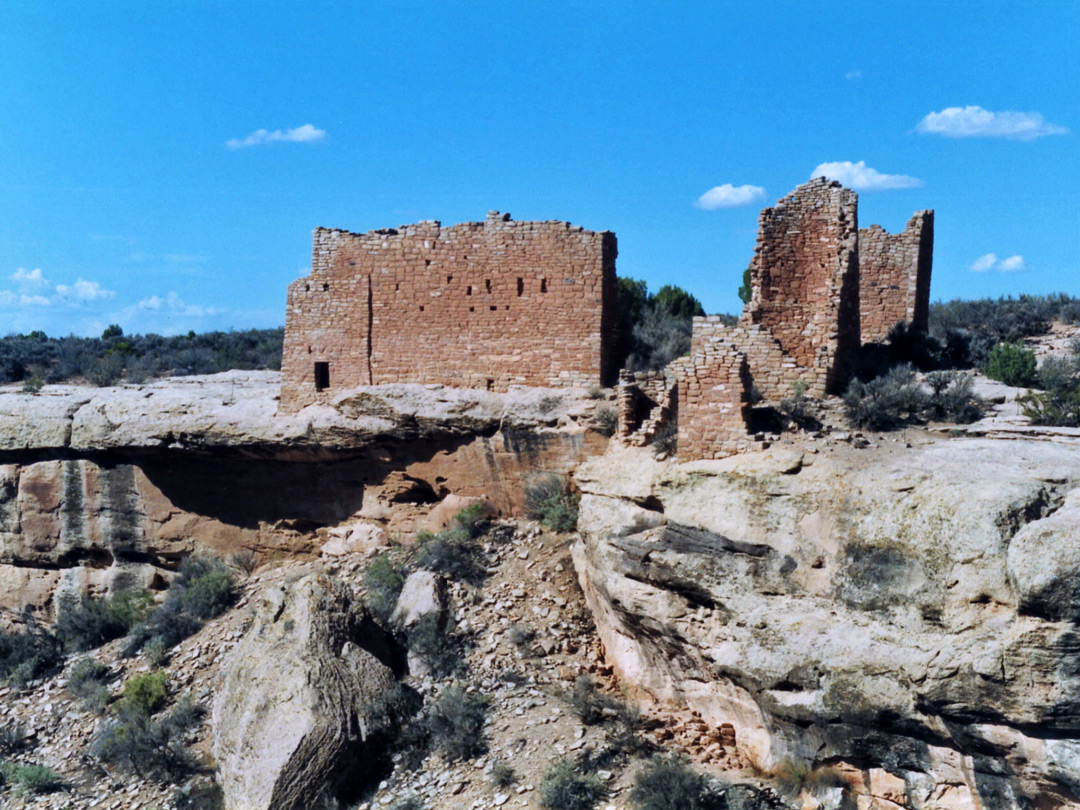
point(104, 488)
point(913, 610)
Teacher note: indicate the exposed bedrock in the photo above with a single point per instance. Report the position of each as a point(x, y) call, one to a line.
point(106, 488)
point(915, 612)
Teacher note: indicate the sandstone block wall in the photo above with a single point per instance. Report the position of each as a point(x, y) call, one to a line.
point(714, 395)
point(805, 283)
point(480, 305)
point(894, 276)
point(648, 403)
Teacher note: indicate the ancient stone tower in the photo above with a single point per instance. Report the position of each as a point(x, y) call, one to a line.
point(478, 305)
point(820, 287)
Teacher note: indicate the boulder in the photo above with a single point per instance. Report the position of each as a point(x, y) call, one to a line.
point(355, 538)
point(423, 594)
point(307, 691)
point(442, 516)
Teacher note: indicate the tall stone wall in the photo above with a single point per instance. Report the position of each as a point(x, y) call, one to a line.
point(478, 305)
point(805, 283)
point(894, 276)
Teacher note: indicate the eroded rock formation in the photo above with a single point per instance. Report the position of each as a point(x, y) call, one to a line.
point(101, 488)
point(307, 691)
point(915, 612)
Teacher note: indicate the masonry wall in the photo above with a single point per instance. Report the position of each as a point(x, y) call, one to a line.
point(894, 276)
point(713, 394)
point(479, 305)
point(805, 283)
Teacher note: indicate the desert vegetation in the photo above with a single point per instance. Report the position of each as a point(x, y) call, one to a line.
point(35, 359)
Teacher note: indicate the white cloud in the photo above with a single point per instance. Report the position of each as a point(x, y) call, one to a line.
point(173, 304)
point(975, 122)
point(990, 261)
point(84, 290)
point(29, 279)
point(34, 301)
point(861, 177)
point(855, 74)
point(729, 196)
point(303, 134)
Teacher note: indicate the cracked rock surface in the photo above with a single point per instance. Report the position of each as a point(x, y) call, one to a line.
point(913, 609)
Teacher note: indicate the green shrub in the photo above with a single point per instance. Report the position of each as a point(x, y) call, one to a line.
point(549, 500)
point(410, 801)
point(33, 385)
point(206, 585)
point(455, 724)
point(564, 788)
point(669, 783)
point(28, 654)
point(666, 440)
point(473, 519)
point(591, 706)
point(606, 419)
point(435, 644)
point(1054, 408)
point(86, 681)
point(1058, 374)
point(453, 553)
point(146, 693)
point(502, 774)
point(33, 778)
point(149, 746)
point(13, 738)
point(382, 585)
point(887, 402)
point(1012, 364)
point(203, 588)
point(95, 622)
point(953, 398)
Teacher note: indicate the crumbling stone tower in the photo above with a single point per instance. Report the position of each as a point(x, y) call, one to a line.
point(804, 279)
point(478, 305)
point(819, 288)
point(894, 277)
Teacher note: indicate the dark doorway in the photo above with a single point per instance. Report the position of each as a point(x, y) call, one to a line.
point(322, 376)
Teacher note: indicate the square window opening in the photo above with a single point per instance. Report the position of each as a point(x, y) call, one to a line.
point(322, 376)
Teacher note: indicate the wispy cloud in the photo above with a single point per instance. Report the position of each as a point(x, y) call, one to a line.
point(34, 290)
point(854, 74)
point(30, 279)
point(303, 134)
point(990, 261)
point(729, 196)
point(173, 304)
point(861, 177)
point(975, 122)
point(83, 290)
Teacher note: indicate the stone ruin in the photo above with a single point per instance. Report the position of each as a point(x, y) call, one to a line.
point(499, 303)
point(820, 288)
point(479, 305)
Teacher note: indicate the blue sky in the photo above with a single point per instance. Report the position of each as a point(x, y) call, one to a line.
point(162, 164)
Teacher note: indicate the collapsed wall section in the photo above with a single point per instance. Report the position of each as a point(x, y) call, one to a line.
point(805, 284)
point(478, 305)
point(894, 277)
point(713, 394)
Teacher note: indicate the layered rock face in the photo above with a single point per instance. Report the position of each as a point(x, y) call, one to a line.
point(914, 612)
point(106, 488)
